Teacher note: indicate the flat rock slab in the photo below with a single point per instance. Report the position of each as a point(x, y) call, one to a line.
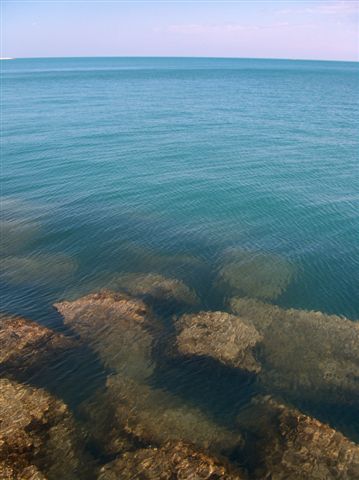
point(306, 355)
point(294, 446)
point(37, 434)
point(26, 345)
point(173, 461)
point(221, 336)
point(119, 327)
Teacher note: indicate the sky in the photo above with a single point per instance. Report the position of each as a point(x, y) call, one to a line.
point(325, 30)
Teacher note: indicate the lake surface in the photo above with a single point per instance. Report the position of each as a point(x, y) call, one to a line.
point(184, 168)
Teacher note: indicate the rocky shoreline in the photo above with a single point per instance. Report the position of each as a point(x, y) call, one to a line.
point(132, 428)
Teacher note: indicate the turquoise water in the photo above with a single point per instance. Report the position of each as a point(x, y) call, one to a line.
point(180, 167)
point(122, 164)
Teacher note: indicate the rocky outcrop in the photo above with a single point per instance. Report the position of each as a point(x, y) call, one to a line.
point(256, 274)
point(292, 446)
point(173, 461)
point(151, 416)
point(37, 436)
point(25, 346)
point(157, 289)
point(306, 355)
point(218, 335)
point(120, 328)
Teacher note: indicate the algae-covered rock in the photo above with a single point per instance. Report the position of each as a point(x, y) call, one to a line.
point(157, 288)
point(292, 446)
point(218, 335)
point(152, 417)
point(26, 346)
point(173, 461)
point(255, 274)
point(306, 355)
point(118, 327)
point(37, 435)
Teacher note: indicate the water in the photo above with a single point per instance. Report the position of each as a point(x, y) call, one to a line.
point(203, 170)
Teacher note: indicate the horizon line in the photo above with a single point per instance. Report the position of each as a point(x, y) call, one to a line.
point(184, 57)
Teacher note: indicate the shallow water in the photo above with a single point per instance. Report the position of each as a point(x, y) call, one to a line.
point(239, 177)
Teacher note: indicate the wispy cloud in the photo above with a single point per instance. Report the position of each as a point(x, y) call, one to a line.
point(199, 28)
point(335, 7)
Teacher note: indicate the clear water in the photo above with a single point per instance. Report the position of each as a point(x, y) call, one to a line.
point(174, 166)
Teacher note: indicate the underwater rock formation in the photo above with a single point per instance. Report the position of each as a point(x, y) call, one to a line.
point(219, 335)
point(255, 274)
point(37, 436)
point(306, 355)
point(292, 446)
point(118, 327)
point(151, 416)
point(26, 345)
point(37, 268)
point(173, 461)
point(157, 288)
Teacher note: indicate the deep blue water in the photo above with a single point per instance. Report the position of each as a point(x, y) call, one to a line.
point(181, 167)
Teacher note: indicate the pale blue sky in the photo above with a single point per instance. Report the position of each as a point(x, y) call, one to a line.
point(265, 29)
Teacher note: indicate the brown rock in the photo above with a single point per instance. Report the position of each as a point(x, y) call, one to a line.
point(28, 473)
point(26, 345)
point(294, 446)
point(219, 335)
point(306, 355)
point(174, 461)
point(37, 435)
point(118, 327)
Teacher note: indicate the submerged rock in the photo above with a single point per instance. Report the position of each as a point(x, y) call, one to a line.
point(173, 461)
point(292, 446)
point(37, 435)
point(218, 335)
point(306, 355)
point(255, 274)
point(40, 268)
point(16, 234)
point(157, 288)
point(151, 416)
point(118, 327)
point(26, 346)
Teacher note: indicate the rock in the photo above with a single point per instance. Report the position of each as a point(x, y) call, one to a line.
point(294, 446)
point(218, 335)
point(26, 346)
point(28, 473)
point(305, 355)
point(173, 461)
point(16, 234)
point(151, 416)
point(40, 268)
point(118, 327)
point(255, 274)
point(157, 288)
point(37, 435)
